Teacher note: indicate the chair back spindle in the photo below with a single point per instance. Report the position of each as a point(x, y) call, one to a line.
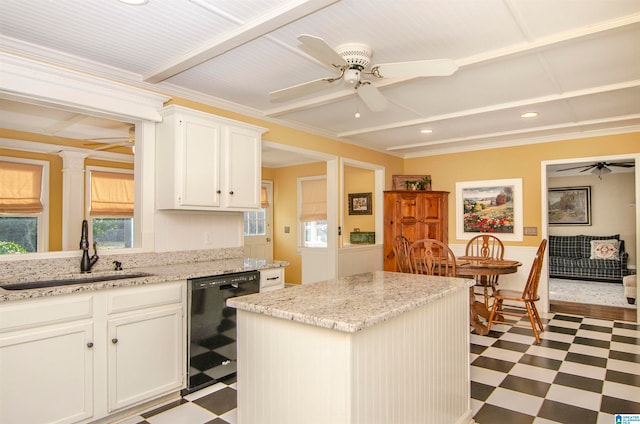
point(402, 249)
point(490, 247)
point(432, 257)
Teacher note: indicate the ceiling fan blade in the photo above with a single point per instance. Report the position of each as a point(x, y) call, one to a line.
point(576, 167)
point(372, 97)
point(623, 165)
point(317, 48)
point(300, 89)
point(418, 68)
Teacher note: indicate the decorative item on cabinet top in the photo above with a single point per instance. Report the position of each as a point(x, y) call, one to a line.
point(411, 182)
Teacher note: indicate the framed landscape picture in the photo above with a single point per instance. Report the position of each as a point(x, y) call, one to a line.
point(569, 205)
point(491, 206)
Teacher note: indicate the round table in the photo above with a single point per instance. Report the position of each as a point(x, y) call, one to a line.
point(472, 266)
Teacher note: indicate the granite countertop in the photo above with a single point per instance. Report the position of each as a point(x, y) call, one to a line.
point(351, 303)
point(157, 274)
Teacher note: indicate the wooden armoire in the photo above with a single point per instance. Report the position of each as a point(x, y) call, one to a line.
point(415, 215)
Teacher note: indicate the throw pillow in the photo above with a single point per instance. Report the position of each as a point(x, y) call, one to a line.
point(605, 249)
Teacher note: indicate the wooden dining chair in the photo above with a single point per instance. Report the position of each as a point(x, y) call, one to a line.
point(528, 297)
point(490, 247)
point(401, 249)
point(432, 257)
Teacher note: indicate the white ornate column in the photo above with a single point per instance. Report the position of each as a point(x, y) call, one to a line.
point(73, 191)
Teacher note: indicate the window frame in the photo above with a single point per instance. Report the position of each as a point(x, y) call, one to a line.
point(42, 244)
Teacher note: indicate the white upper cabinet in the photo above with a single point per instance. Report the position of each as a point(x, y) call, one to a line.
point(205, 162)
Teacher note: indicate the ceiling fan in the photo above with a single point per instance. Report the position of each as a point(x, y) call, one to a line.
point(107, 143)
point(600, 168)
point(352, 61)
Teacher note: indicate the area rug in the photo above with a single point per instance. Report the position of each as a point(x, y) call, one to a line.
point(591, 292)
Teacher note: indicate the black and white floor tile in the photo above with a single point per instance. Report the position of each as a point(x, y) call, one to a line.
point(584, 371)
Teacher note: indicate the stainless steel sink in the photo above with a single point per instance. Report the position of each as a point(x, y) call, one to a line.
point(71, 281)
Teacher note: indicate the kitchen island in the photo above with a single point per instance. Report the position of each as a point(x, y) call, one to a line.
point(380, 347)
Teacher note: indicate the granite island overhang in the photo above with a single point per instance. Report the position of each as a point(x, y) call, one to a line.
point(376, 347)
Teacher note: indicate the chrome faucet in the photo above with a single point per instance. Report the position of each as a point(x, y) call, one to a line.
point(87, 262)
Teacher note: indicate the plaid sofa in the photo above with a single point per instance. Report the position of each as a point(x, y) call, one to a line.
point(569, 257)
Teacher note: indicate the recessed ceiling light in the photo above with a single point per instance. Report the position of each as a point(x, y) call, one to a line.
point(135, 2)
point(529, 115)
point(426, 131)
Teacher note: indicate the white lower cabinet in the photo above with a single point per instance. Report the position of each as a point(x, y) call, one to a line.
point(145, 357)
point(271, 279)
point(79, 358)
point(46, 375)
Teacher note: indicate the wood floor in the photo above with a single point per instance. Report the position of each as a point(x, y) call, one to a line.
point(593, 311)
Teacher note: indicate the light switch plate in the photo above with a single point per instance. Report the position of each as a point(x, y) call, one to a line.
point(530, 231)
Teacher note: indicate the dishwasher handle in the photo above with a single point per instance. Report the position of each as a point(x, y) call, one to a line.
point(229, 286)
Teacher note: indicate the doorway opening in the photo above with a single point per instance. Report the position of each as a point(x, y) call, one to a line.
point(614, 195)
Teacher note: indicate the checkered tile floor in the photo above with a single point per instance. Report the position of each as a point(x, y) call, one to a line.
point(584, 371)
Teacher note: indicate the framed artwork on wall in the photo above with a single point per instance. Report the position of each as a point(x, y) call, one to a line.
point(360, 204)
point(569, 205)
point(490, 206)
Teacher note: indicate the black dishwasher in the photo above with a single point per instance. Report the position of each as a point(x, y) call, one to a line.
point(211, 331)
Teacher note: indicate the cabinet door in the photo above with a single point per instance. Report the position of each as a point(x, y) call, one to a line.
point(243, 165)
point(432, 213)
point(401, 219)
point(145, 355)
point(200, 162)
point(46, 374)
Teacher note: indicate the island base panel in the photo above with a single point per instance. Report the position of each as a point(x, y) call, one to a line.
point(413, 368)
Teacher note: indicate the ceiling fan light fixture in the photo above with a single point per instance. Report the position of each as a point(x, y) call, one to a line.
point(600, 171)
point(352, 75)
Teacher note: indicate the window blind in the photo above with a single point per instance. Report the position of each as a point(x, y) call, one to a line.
point(111, 194)
point(20, 188)
point(314, 200)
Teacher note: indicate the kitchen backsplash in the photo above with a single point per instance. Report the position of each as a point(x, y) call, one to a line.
point(28, 269)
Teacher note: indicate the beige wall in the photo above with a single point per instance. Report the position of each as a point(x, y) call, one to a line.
point(611, 210)
point(514, 162)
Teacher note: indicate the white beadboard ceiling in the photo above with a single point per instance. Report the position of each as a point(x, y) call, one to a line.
point(575, 62)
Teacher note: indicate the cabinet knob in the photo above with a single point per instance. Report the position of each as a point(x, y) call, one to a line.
point(90, 345)
point(218, 191)
point(114, 340)
point(231, 192)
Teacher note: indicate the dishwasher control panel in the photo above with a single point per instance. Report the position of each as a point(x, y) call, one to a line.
point(225, 279)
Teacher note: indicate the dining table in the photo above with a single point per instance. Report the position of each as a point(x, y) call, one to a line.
point(473, 266)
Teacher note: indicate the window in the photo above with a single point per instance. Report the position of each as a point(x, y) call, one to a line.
point(111, 207)
point(312, 211)
point(23, 213)
point(255, 223)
